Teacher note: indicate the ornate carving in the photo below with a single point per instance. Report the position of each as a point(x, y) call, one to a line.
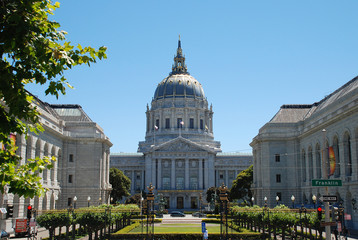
point(180, 147)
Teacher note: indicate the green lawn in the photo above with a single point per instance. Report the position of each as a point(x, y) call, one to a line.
point(181, 228)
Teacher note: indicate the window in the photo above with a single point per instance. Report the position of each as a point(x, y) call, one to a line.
point(201, 124)
point(70, 178)
point(191, 123)
point(278, 178)
point(70, 158)
point(167, 123)
point(69, 202)
point(179, 183)
point(221, 176)
point(179, 120)
point(157, 123)
point(277, 157)
point(166, 183)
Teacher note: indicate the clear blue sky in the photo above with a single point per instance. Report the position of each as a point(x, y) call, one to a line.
point(251, 57)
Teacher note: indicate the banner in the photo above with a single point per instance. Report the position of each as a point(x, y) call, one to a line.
point(332, 161)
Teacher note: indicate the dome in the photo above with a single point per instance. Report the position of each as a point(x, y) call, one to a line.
point(179, 86)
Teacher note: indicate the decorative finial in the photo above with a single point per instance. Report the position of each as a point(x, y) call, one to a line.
point(179, 37)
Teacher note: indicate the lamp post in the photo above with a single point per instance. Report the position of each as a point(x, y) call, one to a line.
point(224, 211)
point(88, 201)
point(99, 201)
point(56, 198)
point(252, 201)
point(293, 201)
point(314, 199)
point(74, 202)
point(150, 214)
point(277, 199)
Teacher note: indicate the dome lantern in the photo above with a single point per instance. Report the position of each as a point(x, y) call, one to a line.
point(179, 66)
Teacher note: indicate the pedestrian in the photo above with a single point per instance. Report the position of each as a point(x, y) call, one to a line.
point(206, 234)
point(345, 232)
point(335, 232)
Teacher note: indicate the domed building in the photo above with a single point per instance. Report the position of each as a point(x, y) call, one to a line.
point(179, 155)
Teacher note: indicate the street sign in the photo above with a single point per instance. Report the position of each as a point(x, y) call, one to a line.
point(347, 216)
point(323, 224)
point(203, 227)
point(326, 183)
point(328, 198)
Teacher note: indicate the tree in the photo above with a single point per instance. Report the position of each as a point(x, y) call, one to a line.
point(32, 50)
point(241, 187)
point(120, 184)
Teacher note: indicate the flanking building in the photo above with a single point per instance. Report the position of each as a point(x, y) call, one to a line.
point(179, 155)
point(82, 151)
point(288, 152)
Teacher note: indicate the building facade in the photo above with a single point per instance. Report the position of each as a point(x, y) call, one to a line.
point(179, 155)
point(304, 142)
point(81, 168)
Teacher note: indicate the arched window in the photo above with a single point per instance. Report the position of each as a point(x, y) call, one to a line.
point(318, 161)
point(310, 163)
point(303, 165)
point(347, 154)
point(337, 172)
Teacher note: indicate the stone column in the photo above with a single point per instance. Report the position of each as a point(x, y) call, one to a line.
point(148, 170)
point(200, 161)
point(133, 182)
point(159, 183)
point(210, 170)
point(154, 174)
point(172, 179)
point(354, 147)
point(186, 171)
point(226, 177)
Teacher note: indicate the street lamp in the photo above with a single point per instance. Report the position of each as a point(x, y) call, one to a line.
point(293, 201)
point(252, 200)
point(74, 202)
point(56, 198)
point(277, 199)
point(88, 200)
point(265, 199)
point(99, 201)
point(314, 198)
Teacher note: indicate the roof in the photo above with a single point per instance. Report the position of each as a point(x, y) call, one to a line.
point(299, 112)
point(71, 112)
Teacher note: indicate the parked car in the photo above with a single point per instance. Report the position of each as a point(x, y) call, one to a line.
point(177, 214)
point(4, 235)
point(198, 214)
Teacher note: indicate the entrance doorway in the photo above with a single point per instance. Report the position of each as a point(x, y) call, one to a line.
point(180, 202)
point(194, 202)
point(167, 203)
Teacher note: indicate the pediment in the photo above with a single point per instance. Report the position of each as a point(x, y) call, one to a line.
point(181, 145)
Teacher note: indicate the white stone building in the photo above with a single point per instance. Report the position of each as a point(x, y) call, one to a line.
point(82, 168)
point(288, 151)
point(179, 155)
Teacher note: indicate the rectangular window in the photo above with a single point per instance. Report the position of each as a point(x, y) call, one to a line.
point(167, 123)
point(277, 157)
point(278, 178)
point(70, 158)
point(157, 123)
point(70, 178)
point(201, 124)
point(179, 120)
point(69, 202)
point(191, 123)
point(179, 183)
point(166, 183)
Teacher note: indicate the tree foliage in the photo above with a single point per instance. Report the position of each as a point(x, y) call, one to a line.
point(241, 187)
point(120, 184)
point(33, 50)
